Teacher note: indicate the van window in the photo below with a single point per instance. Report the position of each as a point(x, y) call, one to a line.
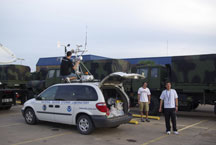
point(66, 93)
point(49, 94)
point(143, 71)
point(154, 72)
point(73, 93)
point(86, 93)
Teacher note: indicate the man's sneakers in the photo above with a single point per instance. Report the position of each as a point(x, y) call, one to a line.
point(175, 132)
point(147, 120)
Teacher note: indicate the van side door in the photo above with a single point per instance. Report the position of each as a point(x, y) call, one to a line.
point(43, 106)
point(64, 104)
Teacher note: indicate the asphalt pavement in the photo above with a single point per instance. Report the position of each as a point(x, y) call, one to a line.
point(195, 128)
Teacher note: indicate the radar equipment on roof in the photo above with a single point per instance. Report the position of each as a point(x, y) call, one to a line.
point(7, 53)
point(82, 71)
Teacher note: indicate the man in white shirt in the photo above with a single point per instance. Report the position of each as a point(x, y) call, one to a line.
point(144, 97)
point(170, 99)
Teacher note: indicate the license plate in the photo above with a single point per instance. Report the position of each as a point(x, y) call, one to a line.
point(7, 100)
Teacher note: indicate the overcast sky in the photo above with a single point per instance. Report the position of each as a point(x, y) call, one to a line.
point(116, 28)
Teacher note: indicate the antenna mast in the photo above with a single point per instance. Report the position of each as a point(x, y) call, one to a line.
point(86, 37)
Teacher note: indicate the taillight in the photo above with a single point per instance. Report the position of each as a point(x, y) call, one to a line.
point(17, 95)
point(107, 112)
point(102, 107)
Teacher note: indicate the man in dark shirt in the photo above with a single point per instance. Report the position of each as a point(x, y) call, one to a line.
point(67, 68)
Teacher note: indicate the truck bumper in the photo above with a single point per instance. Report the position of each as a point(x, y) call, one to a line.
point(103, 121)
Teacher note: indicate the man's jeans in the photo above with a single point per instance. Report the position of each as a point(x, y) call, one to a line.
point(170, 113)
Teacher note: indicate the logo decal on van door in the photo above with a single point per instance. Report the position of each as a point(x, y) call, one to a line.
point(44, 107)
point(69, 109)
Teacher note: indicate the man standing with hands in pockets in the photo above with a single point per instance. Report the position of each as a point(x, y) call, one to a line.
point(144, 98)
point(170, 99)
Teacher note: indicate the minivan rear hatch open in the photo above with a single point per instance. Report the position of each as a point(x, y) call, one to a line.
point(115, 97)
point(117, 78)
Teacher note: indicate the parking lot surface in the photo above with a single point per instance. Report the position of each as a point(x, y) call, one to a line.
point(195, 128)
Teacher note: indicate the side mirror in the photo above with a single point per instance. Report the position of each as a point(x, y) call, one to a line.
point(38, 98)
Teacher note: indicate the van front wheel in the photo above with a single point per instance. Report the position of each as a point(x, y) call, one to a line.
point(30, 117)
point(85, 125)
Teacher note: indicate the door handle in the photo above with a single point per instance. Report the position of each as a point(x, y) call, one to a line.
point(51, 106)
point(57, 106)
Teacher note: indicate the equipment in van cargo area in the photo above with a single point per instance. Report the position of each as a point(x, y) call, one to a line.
point(112, 94)
point(116, 107)
point(111, 101)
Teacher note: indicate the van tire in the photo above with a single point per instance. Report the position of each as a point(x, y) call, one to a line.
point(85, 125)
point(30, 116)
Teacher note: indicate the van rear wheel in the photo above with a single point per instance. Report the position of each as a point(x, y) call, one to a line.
point(85, 125)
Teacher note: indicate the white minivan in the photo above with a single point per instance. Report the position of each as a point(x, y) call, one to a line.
point(88, 105)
